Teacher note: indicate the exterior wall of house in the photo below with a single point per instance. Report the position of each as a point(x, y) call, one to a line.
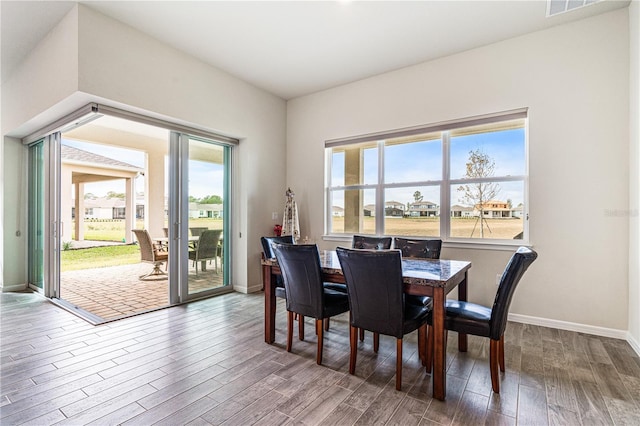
point(564, 75)
point(102, 60)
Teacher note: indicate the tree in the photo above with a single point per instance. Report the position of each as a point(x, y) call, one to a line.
point(417, 196)
point(477, 194)
point(211, 199)
point(112, 194)
point(89, 196)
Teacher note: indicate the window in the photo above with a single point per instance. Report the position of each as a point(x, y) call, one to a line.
point(461, 180)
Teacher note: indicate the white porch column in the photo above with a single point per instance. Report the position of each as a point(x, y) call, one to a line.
point(65, 205)
point(129, 209)
point(154, 193)
point(79, 225)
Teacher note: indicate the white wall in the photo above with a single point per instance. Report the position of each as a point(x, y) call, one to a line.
point(634, 177)
point(575, 80)
point(119, 66)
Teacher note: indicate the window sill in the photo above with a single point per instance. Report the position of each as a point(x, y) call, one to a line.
point(502, 245)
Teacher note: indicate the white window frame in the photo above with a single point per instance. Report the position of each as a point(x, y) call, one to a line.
point(444, 184)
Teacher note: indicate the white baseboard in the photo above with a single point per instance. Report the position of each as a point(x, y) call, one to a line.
point(571, 326)
point(13, 288)
point(634, 343)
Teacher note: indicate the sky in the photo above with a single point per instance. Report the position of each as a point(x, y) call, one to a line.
point(422, 161)
point(204, 178)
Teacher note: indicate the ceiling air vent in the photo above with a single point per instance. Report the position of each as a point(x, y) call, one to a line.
point(555, 7)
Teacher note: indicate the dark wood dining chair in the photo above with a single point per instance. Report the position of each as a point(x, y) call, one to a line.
point(418, 248)
point(376, 301)
point(413, 248)
point(371, 243)
point(306, 293)
point(471, 318)
point(280, 291)
point(267, 252)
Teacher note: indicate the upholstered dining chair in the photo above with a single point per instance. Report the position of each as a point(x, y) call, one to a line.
point(267, 252)
point(151, 253)
point(371, 243)
point(376, 301)
point(207, 248)
point(306, 293)
point(418, 248)
point(470, 318)
point(365, 242)
point(414, 248)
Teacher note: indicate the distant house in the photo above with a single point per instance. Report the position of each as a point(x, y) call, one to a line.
point(394, 209)
point(461, 211)
point(423, 208)
point(197, 210)
point(495, 209)
point(108, 208)
point(337, 211)
point(391, 209)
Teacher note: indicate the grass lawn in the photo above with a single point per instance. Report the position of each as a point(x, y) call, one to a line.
point(112, 230)
point(430, 227)
point(99, 257)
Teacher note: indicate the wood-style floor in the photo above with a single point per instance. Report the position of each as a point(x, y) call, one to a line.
point(206, 363)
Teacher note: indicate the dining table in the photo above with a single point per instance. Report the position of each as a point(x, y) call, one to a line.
point(422, 277)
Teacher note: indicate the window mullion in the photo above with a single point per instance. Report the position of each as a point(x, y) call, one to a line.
point(380, 199)
point(445, 187)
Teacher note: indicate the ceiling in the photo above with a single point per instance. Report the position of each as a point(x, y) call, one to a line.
point(299, 47)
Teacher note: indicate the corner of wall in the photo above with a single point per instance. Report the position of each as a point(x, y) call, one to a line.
point(634, 175)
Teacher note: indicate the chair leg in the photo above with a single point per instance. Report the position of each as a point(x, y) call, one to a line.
point(300, 327)
point(501, 353)
point(289, 330)
point(429, 354)
point(494, 349)
point(326, 324)
point(398, 364)
point(353, 343)
point(361, 331)
point(319, 327)
point(376, 342)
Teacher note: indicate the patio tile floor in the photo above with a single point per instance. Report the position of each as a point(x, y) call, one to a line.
point(116, 291)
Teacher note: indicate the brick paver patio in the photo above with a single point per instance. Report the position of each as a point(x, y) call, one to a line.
point(116, 292)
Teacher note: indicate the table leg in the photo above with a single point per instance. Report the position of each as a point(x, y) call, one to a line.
point(462, 295)
point(269, 305)
point(439, 345)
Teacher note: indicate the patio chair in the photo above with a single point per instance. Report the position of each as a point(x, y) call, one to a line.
point(207, 248)
point(197, 231)
point(151, 253)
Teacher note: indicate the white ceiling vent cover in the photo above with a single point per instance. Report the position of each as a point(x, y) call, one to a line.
point(555, 7)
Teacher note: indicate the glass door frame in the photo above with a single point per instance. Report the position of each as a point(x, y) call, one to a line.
point(178, 204)
point(179, 217)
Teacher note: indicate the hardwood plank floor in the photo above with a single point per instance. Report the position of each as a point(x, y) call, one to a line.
point(206, 363)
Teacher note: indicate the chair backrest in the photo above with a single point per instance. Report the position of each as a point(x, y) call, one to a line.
point(375, 289)
point(302, 275)
point(518, 264)
point(371, 243)
point(423, 249)
point(208, 244)
point(197, 231)
point(147, 252)
point(268, 241)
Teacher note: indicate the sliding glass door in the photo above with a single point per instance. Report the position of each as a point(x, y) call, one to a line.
point(36, 211)
point(204, 213)
point(99, 179)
